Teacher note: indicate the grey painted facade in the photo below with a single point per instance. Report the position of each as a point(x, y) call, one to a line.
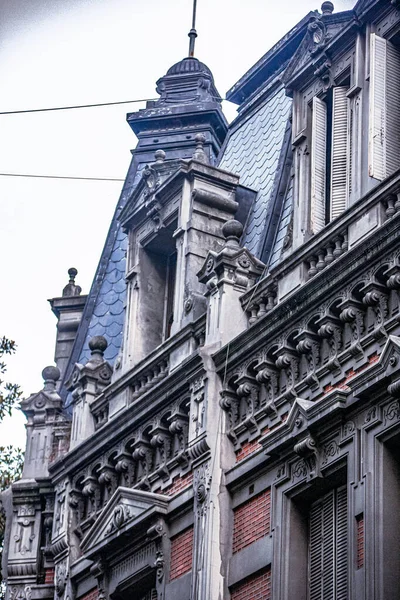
point(233, 431)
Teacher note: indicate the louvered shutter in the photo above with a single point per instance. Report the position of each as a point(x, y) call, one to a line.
point(341, 544)
point(315, 551)
point(392, 109)
point(328, 547)
point(377, 105)
point(318, 165)
point(340, 154)
point(384, 108)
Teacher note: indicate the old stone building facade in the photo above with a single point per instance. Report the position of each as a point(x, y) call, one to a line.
point(224, 418)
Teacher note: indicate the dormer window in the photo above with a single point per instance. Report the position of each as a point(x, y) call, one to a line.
point(330, 156)
point(384, 108)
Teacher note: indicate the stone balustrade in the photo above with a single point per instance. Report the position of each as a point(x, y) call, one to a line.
point(340, 236)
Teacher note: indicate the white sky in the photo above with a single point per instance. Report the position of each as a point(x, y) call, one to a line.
point(57, 53)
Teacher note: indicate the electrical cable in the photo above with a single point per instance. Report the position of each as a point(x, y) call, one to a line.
point(60, 177)
point(35, 110)
point(99, 104)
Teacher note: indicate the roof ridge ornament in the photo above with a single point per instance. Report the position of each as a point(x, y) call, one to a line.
point(193, 33)
point(71, 289)
point(199, 153)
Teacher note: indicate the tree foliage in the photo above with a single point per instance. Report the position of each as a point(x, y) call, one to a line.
point(9, 392)
point(11, 459)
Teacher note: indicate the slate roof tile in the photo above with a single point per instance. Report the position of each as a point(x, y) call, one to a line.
point(283, 226)
point(253, 151)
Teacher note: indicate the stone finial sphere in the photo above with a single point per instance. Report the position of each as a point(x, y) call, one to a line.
point(98, 343)
point(72, 272)
point(232, 228)
point(51, 373)
point(200, 138)
point(159, 155)
point(327, 8)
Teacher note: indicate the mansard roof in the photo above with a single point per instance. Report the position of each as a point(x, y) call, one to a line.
point(257, 149)
point(104, 309)
point(270, 63)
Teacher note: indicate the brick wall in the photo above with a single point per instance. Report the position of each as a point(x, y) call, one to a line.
point(360, 541)
point(91, 595)
point(252, 520)
point(254, 587)
point(178, 484)
point(181, 553)
point(49, 576)
point(246, 449)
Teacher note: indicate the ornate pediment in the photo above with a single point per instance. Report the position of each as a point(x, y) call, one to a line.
point(321, 30)
point(126, 510)
point(302, 415)
point(144, 197)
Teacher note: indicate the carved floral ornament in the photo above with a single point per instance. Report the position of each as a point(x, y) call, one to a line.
point(60, 579)
point(151, 179)
point(318, 34)
point(120, 516)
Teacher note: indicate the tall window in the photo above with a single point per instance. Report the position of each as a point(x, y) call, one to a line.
point(328, 547)
point(330, 156)
point(384, 108)
point(169, 294)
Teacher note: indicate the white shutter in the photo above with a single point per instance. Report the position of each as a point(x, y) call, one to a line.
point(392, 109)
point(340, 158)
point(377, 108)
point(318, 164)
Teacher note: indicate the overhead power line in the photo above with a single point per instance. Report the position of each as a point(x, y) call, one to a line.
point(60, 177)
point(35, 110)
point(99, 104)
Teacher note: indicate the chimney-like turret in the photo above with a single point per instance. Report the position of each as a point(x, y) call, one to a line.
point(68, 309)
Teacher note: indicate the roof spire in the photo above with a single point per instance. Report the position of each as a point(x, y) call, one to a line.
point(193, 33)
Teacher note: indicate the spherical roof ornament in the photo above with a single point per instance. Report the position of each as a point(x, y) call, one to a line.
point(71, 289)
point(50, 375)
point(98, 345)
point(232, 231)
point(159, 155)
point(327, 8)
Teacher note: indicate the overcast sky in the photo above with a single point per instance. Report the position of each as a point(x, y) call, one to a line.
point(57, 53)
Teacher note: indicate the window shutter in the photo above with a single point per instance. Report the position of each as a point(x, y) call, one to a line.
point(328, 547)
point(315, 551)
point(340, 154)
point(318, 165)
point(377, 108)
point(392, 109)
point(341, 544)
point(384, 117)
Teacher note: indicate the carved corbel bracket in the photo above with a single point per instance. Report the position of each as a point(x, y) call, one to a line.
point(308, 345)
point(376, 297)
point(308, 451)
point(287, 360)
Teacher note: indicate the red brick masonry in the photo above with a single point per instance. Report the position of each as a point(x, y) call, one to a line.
point(181, 553)
point(252, 520)
point(92, 595)
point(49, 576)
point(360, 541)
point(254, 587)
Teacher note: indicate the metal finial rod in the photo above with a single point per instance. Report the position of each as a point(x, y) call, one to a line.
point(193, 33)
